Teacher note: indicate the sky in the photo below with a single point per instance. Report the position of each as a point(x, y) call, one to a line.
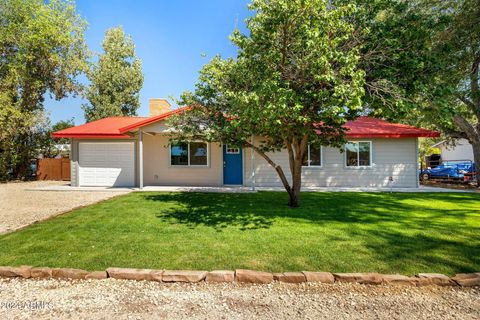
point(173, 39)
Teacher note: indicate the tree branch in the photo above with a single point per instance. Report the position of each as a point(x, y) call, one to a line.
point(277, 167)
point(468, 102)
point(474, 83)
point(466, 127)
point(291, 157)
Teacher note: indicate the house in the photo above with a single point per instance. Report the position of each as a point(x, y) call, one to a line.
point(135, 151)
point(461, 149)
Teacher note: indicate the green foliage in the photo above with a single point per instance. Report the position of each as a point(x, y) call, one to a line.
point(295, 75)
point(383, 232)
point(422, 60)
point(42, 50)
point(61, 125)
point(295, 72)
point(116, 79)
point(425, 148)
point(46, 144)
point(396, 54)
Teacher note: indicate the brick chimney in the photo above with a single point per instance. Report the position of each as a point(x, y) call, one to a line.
point(159, 106)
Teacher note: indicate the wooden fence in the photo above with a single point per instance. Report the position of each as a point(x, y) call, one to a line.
point(53, 169)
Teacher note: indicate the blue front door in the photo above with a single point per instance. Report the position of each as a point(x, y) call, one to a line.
point(232, 165)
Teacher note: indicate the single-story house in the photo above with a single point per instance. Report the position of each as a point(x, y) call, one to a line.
point(461, 150)
point(135, 151)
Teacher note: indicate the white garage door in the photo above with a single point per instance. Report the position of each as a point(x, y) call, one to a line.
point(106, 164)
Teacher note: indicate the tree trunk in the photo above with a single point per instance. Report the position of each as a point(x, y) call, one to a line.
point(277, 168)
point(474, 138)
point(296, 152)
point(294, 194)
point(476, 158)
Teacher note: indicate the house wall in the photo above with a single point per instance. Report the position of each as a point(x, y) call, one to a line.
point(158, 171)
point(461, 151)
point(390, 157)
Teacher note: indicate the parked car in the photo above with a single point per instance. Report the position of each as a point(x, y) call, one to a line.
point(449, 170)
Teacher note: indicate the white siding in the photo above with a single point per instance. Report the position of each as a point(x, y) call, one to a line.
point(390, 157)
point(462, 150)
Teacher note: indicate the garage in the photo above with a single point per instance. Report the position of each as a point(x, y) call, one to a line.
point(106, 164)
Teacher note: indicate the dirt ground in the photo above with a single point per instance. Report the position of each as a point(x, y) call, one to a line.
point(20, 206)
point(451, 185)
point(120, 299)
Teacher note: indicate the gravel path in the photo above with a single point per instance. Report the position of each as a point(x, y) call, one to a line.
point(108, 299)
point(20, 207)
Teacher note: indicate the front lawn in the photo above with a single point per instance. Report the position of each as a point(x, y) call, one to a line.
point(339, 232)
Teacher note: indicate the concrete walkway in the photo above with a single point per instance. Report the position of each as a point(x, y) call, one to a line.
point(231, 189)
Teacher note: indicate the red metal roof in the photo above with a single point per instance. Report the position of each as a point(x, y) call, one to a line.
point(150, 120)
point(367, 127)
point(116, 127)
point(103, 128)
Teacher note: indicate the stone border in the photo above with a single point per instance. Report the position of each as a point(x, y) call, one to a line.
point(241, 275)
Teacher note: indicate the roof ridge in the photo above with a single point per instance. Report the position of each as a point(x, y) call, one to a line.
point(362, 127)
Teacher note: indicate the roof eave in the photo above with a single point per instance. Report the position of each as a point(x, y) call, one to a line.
point(90, 136)
point(394, 135)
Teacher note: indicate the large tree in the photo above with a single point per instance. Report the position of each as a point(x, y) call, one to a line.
point(116, 79)
point(422, 62)
point(459, 48)
point(42, 51)
point(294, 82)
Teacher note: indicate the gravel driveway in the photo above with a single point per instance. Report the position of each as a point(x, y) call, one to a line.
point(20, 206)
point(120, 299)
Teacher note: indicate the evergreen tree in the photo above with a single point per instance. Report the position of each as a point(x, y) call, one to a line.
point(116, 79)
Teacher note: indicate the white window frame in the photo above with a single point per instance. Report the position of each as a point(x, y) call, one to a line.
point(188, 155)
point(308, 158)
point(358, 155)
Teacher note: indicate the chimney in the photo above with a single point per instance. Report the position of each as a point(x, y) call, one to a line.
point(159, 106)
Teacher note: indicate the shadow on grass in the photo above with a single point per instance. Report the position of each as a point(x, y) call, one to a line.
point(219, 211)
point(398, 228)
point(259, 210)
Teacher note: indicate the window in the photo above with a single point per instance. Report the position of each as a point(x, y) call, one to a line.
point(358, 154)
point(189, 154)
point(198, 154)
point(179, 154)
point(314, 156)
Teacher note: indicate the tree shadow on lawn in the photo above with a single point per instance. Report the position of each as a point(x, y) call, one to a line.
point(393, 230)
point(218, 212)
point(259, 210)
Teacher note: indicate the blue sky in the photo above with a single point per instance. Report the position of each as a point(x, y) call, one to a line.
point(170, 38)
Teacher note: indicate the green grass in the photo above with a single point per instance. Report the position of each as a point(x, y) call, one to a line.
point(339, 232)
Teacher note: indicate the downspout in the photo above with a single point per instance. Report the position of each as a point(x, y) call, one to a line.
point(252, 165)
point(140, 158)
